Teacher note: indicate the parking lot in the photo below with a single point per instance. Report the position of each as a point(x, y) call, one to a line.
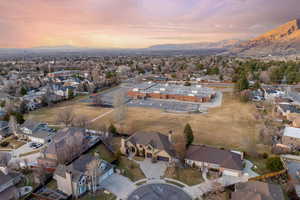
point(166, 105)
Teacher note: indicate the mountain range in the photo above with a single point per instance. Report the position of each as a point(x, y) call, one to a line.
point(224, 44)
point(283, 40)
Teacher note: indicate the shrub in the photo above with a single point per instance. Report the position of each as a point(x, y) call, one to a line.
point(4, 144)
point(112, 129)
point(265, 155)
point(274, 164)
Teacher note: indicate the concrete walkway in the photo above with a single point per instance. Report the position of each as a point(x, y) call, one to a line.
point(102, 115)
point(197, 191)
point(204, 174)
point(248, 169)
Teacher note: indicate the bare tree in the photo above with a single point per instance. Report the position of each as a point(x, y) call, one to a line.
point(180, 147)
point(93, 174)
point(9, 106)
point(4, 158)
point(98, 100)
point(66, 116)
point(81, 121)
point(13, 125)
point(217, 187)
point(40, 175)
point(120, 107)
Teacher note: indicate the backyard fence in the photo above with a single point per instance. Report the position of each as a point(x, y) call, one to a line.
point(269, 175)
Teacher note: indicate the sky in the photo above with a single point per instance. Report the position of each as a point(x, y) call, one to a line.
point(137, 23)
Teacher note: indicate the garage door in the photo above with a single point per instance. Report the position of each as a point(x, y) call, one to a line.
point(230, 173)
point(162, 158)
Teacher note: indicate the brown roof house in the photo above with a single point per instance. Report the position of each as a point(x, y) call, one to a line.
point(228, 162)
point(67, 144)
point(255, 190)
point(84, 174)
point(149, 145)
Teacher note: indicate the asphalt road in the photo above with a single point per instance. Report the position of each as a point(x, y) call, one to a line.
point(159, 191)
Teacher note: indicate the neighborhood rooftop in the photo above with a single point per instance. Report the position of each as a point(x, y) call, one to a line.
point(172, 89)
point(291, 132)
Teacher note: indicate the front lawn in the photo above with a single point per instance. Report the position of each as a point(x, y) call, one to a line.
point(188, 176)
point(99, 195)
point(13, 143)
point(130, 169)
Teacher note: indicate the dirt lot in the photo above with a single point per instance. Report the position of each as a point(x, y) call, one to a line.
point(231, 125)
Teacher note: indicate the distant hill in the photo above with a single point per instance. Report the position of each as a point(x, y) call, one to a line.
point(281, 41)
point(56, 47)
point(225, 44)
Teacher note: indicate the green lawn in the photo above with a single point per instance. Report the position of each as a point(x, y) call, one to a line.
point(103, 153)
point(260, 164)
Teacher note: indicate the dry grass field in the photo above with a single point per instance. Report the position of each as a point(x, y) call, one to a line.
point(231, 126)
point(49, 114)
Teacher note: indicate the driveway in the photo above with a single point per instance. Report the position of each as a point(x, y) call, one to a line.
point(24, 149)
point(293, 167)
point(153, 170)
point(119, 186)
point(248, 169)
point(207, 186)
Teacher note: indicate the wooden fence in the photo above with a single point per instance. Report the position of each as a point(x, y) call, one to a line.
point(269, 175)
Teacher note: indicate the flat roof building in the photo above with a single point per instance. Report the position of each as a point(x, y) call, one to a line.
point(194, 93)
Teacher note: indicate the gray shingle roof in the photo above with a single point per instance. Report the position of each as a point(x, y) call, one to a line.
point(4, 178)
point(156, 140)
point(260, 190)
point(224, 158)
point(80, 167)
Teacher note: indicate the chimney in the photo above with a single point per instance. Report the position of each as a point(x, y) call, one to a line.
point(170, 136)
point(69, 185)
point(4, 170)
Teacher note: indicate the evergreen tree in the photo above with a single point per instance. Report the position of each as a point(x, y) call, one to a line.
point(112, 129)
point(23, 91)
point(242, 83)
point(188, 133)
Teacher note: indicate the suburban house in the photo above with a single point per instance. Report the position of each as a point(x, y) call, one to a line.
point(271, 93)
point(67, 144)
point(228, 162)
point(291, 137)
point(85, 174)
point(36, 132)
point(285, 109)
point(296, 122)
point(8, 180)
point(4, 129)
point(149, 145)
point(255, 190)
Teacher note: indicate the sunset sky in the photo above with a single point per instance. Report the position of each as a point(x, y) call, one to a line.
point(137, 23)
